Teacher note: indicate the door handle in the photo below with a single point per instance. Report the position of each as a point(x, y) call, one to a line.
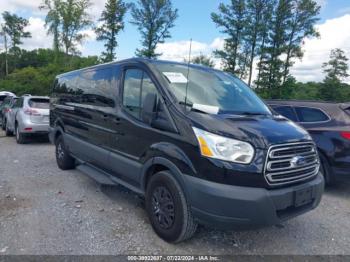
point(116, 121)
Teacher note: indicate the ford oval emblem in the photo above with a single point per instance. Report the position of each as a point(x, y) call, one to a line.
point(298, 161)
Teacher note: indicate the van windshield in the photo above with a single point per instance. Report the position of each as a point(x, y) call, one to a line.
point(213, 89)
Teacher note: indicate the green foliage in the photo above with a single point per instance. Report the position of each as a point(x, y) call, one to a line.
point(154, 19)
point(37, 71)
point(112, 22)
point(336, 68)
point(326, 91)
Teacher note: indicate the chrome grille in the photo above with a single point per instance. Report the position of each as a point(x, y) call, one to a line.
point(289, 163)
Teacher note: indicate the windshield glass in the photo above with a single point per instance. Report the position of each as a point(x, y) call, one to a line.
point(211, 89)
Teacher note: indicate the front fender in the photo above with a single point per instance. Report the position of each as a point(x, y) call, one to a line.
point(176, 155)
point(171, 157)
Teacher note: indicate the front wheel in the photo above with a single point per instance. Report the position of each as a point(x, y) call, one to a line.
point(168, 210)
point(64, 160)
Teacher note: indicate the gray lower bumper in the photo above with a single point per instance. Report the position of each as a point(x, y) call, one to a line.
point(226, 206)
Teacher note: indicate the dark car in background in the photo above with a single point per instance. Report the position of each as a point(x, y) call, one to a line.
point(5, 107)
point(3, 96)
point(329, 126)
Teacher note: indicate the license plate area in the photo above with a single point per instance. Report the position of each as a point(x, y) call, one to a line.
point(303, 197)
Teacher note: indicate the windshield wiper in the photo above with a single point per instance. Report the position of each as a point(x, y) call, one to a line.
point(185, 104)
point(253, 113)
point(245, 113)
point(191, 107)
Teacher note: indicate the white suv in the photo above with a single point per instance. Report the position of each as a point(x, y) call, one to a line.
point(28, 116)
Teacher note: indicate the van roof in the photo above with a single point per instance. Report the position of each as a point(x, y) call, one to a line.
point(141, 60)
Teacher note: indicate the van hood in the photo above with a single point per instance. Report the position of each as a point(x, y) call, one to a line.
point(261, 131)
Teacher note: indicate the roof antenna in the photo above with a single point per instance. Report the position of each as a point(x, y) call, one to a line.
point(188, 70)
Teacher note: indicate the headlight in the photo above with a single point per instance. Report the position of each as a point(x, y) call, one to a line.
point(224, 148)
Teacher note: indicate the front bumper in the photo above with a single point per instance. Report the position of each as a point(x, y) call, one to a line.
point(226, 206)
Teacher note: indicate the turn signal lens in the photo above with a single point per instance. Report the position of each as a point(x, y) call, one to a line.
point(346, 135)
point(205, 150)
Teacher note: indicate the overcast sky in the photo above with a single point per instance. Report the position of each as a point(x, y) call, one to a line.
point(194, 22)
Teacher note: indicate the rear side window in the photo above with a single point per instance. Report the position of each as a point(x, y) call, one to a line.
point(93, 87)
point(137, 84)
point(13, 102)
point(39, 103)
point(347, 110)
point(19, 103)
point(286, 111)
point(309, 115)
point(98, 88)
point(2, 98)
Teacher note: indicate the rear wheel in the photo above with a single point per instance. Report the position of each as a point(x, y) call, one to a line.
point(326, 170)
point(168, 210)
point(20, 137)
point(8, 132)
point(64, 160)
point(3, 124)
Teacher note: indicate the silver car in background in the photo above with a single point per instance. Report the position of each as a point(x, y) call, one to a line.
point(28, 116)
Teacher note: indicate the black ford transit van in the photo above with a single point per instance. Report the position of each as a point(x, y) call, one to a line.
point(197, 143)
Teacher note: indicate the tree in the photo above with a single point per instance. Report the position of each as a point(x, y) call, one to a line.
point(3, 34)
point(232, 19)
point(258, 18)
point(301, 25)
point(14, 28)
point(154, 19)
point(264, 34)
point(271, 67)
point(112, 22)
point(52, 22)
point(74, 18)
point(336, 69)
point(202, 60)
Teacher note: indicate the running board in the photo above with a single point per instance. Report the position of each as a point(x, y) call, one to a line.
point(95, 174)
point(104, 178)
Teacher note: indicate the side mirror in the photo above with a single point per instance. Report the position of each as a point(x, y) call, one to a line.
point(149, 108)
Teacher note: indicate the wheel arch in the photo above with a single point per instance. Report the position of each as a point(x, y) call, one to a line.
point(158, 164)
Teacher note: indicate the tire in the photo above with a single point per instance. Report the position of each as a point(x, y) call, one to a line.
point(3, 124)
point(64, 160)
point(178, 223)
point(20, 137)
point(8, 132)
point(325, 169)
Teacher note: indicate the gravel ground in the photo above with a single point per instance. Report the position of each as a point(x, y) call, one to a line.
point(46, 211)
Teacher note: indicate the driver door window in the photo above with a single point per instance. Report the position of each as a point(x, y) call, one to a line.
point(137, 84)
